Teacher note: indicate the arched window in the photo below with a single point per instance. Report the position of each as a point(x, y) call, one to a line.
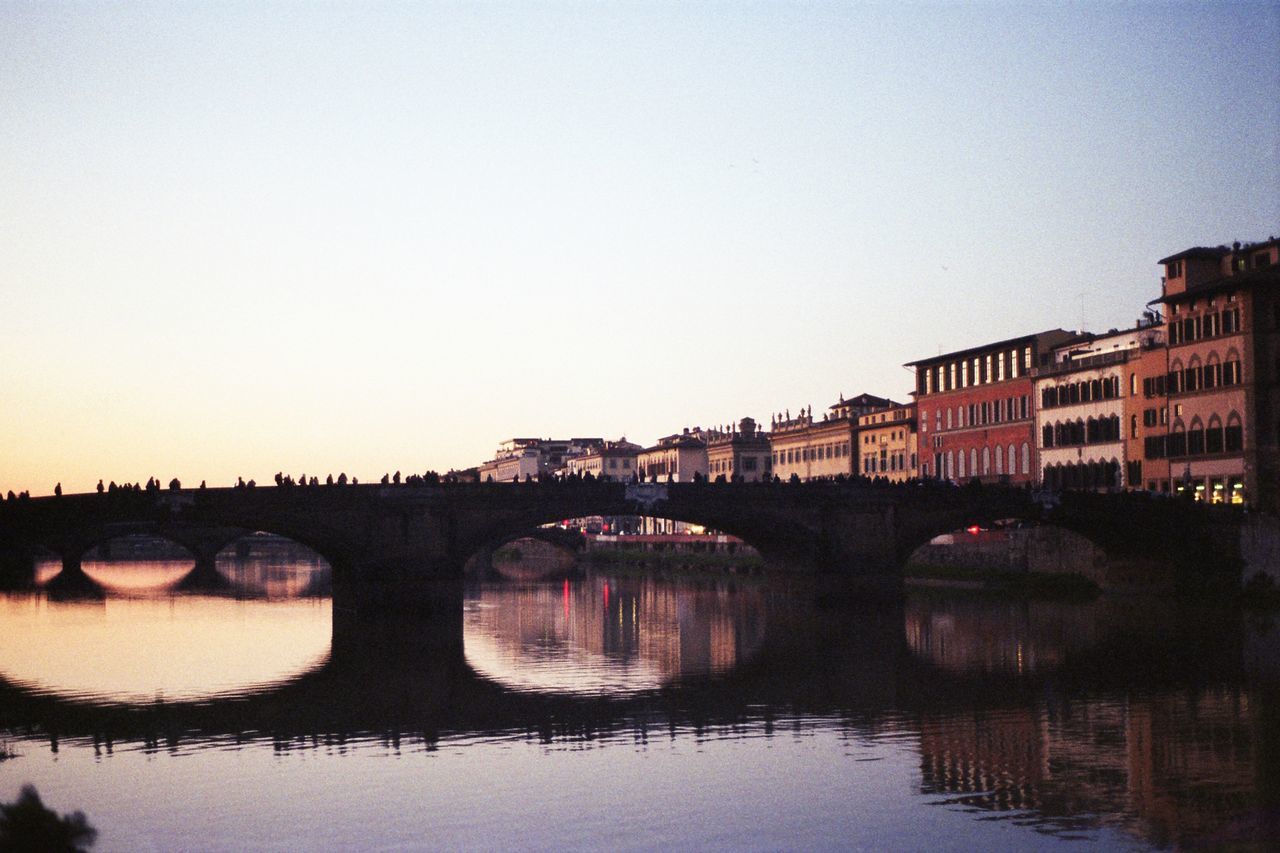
point(1013, 461)
point(1095, 389)
point(986, 461)
point(973, 461)
point(1233, 436)
point(960, 472)
point(1026, 458)
point(1091, 431)
point(951, 465)
point(999, 459)
point(1046, 439)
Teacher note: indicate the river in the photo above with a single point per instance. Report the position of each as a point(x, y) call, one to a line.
point(625, 710)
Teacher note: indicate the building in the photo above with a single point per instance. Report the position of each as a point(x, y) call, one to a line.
point(976, 410)
point(819, 450)
point(678, 458)
point(1087, 410)
point(887, 444)
point(611, 460)
point(1222, 311)
point(1147, 413)
point(521, 458)
point(740, 454)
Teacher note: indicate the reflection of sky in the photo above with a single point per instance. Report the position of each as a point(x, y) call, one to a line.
point(589, 636)
point(177, 647)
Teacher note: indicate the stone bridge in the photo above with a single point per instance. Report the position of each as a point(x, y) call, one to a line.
point(385, 540)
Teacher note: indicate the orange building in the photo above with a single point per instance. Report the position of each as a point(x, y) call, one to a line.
point(1223, 319)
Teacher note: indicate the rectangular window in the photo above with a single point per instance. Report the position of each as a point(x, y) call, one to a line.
point(1153, 447)
point(1000, 367)
point(1133, 384)
point(1013, 363)
point(1176, 444)
point(1233, 438)
point(954, 368)
point(1213, 440)
point(988, 375)
point(964, 374)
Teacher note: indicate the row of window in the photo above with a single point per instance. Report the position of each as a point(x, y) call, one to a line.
point(1195, 442)
point(979, 370)
point(894, 435)
point(992, 460)
point(1098, 474)
point(887, 463)
point(978, 414)
point(1084, 391)
point(1190, 329)
point(1203, 376)
point(725, 466)
point(1077, 432)
point(811, 454)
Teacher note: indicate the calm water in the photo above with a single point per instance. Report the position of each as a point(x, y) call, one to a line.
point(633, 712)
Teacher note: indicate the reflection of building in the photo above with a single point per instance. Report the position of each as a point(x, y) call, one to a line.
point(638, 633)
point(740, 454)
point(1082, 419)
point(1223, 319)
point(977, 412)
point(819, 450)
point(611, 460)
point(518, 458)
point(887, 444)
point(1179, 765)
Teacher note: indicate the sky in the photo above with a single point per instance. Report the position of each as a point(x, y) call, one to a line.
point(242, 238)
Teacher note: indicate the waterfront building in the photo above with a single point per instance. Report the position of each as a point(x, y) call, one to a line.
point(1222, 309)
point(740, 454)
point(678, 458)
point(518, 458)
point(611, 460)
point(819, 450)
point(976, 410)
point(887, 444)
point(1147, 413)
point(1086, 408)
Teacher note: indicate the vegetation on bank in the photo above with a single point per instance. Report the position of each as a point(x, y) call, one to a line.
point(1029, 584)
point(27, 824)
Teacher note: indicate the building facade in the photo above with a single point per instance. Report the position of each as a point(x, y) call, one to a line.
point(679, 458)
point(612, 460)
point(887, 444)
point(529, 458)
point(1085, 420)
point(821, 450)
point(1222, 310)
point(740, 455)
point(976, 410)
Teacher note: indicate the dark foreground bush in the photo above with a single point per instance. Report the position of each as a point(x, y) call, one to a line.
point(27, 825)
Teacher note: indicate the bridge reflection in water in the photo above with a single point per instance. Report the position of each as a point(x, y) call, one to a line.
point(1063, 717)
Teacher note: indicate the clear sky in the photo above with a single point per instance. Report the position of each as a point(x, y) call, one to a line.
point(237, 238)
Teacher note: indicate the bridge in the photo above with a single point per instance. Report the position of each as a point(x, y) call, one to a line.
point(391, 544)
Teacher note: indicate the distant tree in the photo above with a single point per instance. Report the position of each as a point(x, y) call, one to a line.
point(27, 825)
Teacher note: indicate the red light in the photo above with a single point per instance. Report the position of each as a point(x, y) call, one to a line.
point(974, 529)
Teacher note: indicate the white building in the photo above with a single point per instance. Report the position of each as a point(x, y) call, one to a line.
point(1080, 413)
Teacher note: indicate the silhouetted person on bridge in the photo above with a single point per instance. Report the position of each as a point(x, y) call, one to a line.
point(202, 484)
point(342, 478)
point(174, 484)
point(57, 490)
point(395, 478)
point(100, 487)
point(328, 481)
